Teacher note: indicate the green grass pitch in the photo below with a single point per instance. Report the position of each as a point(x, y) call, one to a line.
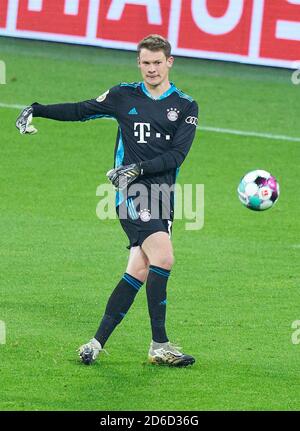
point(234, 290)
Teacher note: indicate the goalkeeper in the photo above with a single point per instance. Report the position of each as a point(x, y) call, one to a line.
point(157, 124)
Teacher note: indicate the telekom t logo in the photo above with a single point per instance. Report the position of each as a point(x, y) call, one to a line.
point(143, 130)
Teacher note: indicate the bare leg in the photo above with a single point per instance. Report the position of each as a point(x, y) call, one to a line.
point(158, 249)
point(138, 264)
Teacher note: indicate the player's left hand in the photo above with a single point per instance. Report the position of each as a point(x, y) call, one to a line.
point(122, 176)
point(23, 122)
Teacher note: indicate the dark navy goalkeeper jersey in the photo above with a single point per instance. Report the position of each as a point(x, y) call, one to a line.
point(158, 132)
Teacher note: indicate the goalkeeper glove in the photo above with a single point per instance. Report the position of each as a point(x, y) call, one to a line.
point(23, 122)
point(122, 176)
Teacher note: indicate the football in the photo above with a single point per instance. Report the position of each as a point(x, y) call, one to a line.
point(258, 190)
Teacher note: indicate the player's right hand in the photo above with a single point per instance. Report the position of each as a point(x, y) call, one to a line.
point(24, 120)
point(122, 176)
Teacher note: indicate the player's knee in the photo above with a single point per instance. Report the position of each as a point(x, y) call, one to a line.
point(143, 274)
point(165, 261)
point(140, 273)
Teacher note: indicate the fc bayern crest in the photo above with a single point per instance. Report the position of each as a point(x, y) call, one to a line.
point(145, 215)
point(172, 114)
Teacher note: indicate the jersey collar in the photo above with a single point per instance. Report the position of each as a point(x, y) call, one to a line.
point(162, 96)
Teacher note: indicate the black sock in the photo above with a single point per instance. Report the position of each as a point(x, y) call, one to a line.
point(156, 289)
point(118, 305)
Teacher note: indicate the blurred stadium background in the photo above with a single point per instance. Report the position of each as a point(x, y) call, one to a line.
point(233, 294)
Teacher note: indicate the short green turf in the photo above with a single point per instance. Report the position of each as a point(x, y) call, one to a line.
point(234, 290)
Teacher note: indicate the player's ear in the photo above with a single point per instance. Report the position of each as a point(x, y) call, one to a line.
point(138, 61)
point(170, 61)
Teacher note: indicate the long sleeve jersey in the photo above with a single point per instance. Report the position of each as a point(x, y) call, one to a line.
point(157, 132)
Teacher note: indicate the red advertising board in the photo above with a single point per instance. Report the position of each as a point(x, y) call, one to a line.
point(216, 26)
point(50, 17)
point(250, 31)
point(3, 13)
point(281, 30)
point(131, 22)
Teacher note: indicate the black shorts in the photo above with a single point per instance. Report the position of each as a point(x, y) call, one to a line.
point(139, 223)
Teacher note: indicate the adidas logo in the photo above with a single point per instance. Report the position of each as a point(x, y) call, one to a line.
point(133, 111)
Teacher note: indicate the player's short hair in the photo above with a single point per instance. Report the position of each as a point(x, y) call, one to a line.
point(155, 42)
